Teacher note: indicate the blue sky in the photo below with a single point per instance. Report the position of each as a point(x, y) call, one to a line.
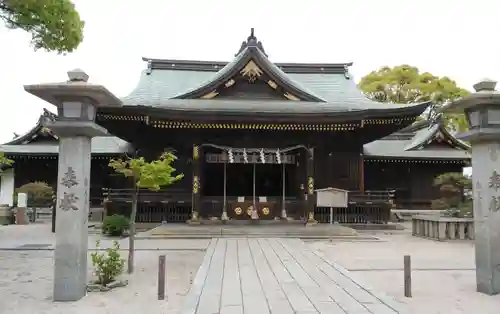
point(454, 38)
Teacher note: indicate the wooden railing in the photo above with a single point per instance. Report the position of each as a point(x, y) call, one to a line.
point(355, 214)
point(175, 206)
point(413, 203)
point(147, 196)
point(369, 197)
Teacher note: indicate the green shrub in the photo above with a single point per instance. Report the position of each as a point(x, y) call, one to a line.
point(115, 225)
point(107, 266)
point(38, 193)
point(454, 200)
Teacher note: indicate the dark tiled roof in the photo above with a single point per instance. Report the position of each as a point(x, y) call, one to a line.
point(25, 144)
point(284, 106)
point(417, 146)
point(100, 145)
point(158, 87)
point(37, 131)
point(325, 87)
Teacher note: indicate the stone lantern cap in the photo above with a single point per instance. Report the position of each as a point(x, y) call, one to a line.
point(484, 95)
point(76, 88)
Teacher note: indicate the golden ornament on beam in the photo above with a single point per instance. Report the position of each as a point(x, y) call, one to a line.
point(265, 211)
point(310, 185)
point(238, 210)
point(311, 216)
point(196, 185)
point(196, 152)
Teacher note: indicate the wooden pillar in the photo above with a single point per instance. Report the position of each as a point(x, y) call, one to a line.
point(310, 197)
point(196, 200)
point(361, 173)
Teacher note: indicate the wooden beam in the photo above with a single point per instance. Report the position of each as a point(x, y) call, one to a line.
point(310, 200)
point(196, 206)
point(361, 173)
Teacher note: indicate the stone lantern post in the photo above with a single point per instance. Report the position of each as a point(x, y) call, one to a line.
point(77, 102)
point(482, 110)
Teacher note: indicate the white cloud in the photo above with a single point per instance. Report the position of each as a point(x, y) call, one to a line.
point(445, 37)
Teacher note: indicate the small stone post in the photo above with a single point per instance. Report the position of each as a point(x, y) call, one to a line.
point(77, 102)
point(482, 110)
point(22, 209)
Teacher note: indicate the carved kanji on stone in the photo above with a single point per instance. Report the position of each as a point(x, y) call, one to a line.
point(69, 178)
point(494, 181)
point(68, 202)
point(494, 204)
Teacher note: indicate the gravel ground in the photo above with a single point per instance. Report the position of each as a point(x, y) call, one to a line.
point(26, 275)
point(443, 273)
point(443, 276)
point(26, 285)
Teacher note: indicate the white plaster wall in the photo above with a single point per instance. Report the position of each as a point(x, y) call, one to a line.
point(7, 187)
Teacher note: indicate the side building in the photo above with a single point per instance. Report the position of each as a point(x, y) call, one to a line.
point(254, 139)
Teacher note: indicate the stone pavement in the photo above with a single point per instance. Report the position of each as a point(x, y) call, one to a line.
point(259, 276)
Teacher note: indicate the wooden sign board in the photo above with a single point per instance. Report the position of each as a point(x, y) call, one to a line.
point(331, 197)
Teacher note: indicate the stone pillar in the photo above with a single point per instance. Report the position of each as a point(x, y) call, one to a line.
point(196, 206)
point(70, 262)
point(486, 180)
point(7, 187)
point(77, 102)
point(311, 199)
point(482, 110)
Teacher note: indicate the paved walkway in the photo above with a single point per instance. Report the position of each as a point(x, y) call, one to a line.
point(282, 276)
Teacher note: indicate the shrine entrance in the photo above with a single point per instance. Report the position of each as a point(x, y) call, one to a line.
point(253, 183)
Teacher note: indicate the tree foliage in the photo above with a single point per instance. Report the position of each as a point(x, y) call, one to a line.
point(148, 175)
point(38, 193)
point(5, 162)
point(454, 188)
point(54, 25)
point(405, 84)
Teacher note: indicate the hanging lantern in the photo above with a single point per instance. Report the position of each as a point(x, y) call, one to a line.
point(262, 156)
point(278, 156)
point(231, 156)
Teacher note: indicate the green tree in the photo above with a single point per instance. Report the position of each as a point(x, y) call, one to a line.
point(4, 161)
point(454, 188)
point(54, 25)
point(405, 84)
point(145, 175)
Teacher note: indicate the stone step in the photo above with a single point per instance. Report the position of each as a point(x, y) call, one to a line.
point(267, 236)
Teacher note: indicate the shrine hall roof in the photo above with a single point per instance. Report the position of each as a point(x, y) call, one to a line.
point(304, 88)
point(423, 140)
point(40, 140)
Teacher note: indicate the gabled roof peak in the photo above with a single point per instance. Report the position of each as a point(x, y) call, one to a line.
point(252, 42)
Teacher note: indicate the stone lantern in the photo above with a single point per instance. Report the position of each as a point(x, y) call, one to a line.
point(482, 110)
point(77, 102)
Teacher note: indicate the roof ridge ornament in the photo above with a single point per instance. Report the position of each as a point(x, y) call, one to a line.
point(485, 85)
point(252, 42)
point(77, 75)
point(434, 116)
